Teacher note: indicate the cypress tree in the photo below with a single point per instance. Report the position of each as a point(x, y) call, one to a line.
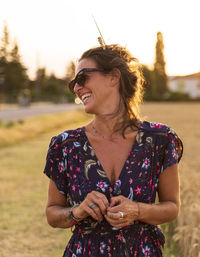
point(160, 77)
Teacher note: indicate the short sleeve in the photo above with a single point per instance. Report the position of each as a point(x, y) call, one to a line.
point(173, 151)
point(56, 165)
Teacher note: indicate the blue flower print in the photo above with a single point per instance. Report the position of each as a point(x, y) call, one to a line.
point(64, 136)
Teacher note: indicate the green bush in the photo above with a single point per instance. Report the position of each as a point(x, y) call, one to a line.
point(178, 96)
point(9, 124)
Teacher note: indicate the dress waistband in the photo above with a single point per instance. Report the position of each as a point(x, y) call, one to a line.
point(88, 226)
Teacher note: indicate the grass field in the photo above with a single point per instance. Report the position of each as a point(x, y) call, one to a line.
point(24, 231)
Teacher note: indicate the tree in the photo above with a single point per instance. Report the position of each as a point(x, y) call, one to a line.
point(14, 54)
point(5, 42)
point(149, 89)
point(69, 76)
point(160, 77)
point(13, 77)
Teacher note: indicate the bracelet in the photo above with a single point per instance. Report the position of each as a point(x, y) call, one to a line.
point(76, 220)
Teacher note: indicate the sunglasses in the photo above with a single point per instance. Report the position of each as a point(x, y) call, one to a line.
point(81, 77)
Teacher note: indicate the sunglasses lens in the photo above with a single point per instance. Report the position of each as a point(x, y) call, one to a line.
point(80, 80)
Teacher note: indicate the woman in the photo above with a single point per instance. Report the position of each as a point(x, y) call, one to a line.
point(104, 176)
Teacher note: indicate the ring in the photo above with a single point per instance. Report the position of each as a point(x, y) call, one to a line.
point(121, 215)
point(93, 205)
point(111, 216)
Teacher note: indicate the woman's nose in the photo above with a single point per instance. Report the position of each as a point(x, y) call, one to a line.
point(77, 87)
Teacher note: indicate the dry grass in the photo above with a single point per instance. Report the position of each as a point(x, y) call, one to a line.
point(34, 127)
point(185, 119)
point(23, 228)
point(24, 231)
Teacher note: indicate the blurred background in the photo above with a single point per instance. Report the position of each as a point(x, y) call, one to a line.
point(40, 43)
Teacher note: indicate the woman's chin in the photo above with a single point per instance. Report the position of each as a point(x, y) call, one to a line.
point(88, 108)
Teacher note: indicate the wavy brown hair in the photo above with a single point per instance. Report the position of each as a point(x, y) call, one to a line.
point(131, 81)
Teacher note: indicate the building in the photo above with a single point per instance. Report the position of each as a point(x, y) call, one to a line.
point(186, 84)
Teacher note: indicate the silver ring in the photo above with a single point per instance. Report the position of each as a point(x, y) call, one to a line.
point(121, 215)
point(93, 205)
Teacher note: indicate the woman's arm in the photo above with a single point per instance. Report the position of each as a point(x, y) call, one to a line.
point(166, 210)
point(169, 201)
point(58, 215)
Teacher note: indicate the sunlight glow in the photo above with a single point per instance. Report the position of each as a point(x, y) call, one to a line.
point(51, 33)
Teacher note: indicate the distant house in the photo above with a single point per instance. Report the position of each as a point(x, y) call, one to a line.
point(186, 84)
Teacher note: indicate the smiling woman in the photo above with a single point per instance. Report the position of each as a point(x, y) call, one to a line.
point(104, 176)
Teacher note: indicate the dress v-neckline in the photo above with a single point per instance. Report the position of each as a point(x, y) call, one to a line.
point(123, 166)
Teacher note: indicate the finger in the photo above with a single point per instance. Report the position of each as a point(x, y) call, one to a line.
point(113, 215)
point(98, 212)
point(99, 199)
point(103, 198)
point(90, 212)
point(116, 200)
point(95, 209)
point(100, 204)
point(115, 223)
point(115, 209)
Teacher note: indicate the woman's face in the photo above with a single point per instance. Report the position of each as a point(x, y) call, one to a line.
point(99, 94)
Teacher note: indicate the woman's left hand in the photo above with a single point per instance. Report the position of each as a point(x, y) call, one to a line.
point(121, 212)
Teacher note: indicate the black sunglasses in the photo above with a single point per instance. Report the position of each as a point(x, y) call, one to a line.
point(81, 77)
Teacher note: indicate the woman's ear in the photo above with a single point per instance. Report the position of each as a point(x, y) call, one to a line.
point(115, 77)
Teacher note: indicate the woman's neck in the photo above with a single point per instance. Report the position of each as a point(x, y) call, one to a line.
point(105, 127)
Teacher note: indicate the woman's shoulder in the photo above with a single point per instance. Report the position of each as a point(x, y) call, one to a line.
point(71, 135)
point(157, 128)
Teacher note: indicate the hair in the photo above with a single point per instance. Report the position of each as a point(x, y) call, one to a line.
point(131, 80)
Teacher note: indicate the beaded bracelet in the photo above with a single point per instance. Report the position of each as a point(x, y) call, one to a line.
point(76, 220)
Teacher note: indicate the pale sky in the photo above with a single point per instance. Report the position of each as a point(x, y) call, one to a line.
point(52, 32)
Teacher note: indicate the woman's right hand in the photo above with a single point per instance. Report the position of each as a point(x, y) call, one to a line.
point(94, 205)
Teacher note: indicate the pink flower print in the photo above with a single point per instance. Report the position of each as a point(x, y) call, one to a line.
point(56, 146)
point(102, 247)
point(156, 125)
point(150, 182)
point(119, 237)
point(89, 242)
point(79, 248)
point(174, 154)
point(102, 185)
point(61, 166)
point(65, 151)
point(73, 188)
point(84, 250)
point(130, 180)
point(146, 163)
point(146, 251)
point(108, 248)
point(118, 183)
point(138, 190)
point(78, 169)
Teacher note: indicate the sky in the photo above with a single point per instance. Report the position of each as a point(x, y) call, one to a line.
point(51, 33)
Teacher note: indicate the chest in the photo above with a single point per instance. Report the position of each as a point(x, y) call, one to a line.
point(112, 156)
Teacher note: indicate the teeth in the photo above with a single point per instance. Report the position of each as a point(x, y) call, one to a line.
point(85, 96)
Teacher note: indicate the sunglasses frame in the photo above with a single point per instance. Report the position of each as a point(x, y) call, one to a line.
point(78, 77)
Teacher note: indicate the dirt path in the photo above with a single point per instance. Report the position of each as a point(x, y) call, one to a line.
point(26, 112)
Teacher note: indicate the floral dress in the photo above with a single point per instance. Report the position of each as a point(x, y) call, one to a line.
point(73, 166)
